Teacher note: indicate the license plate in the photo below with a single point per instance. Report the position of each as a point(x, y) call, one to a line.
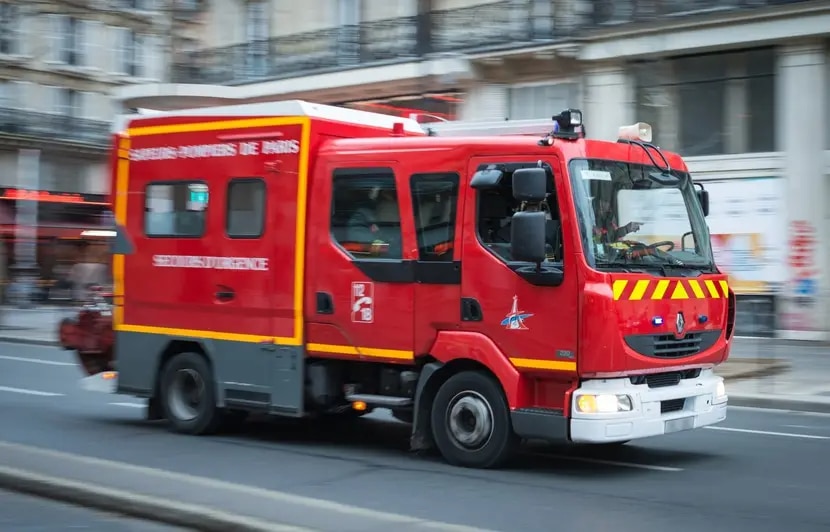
point(683, 423)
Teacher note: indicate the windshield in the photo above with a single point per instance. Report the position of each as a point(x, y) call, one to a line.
point(635, 217)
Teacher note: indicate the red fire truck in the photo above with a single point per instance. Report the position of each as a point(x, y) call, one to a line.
point(303, 260)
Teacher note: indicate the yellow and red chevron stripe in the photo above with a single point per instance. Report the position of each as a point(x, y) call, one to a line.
point(657, 289)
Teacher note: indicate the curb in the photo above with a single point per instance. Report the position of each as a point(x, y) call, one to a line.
point(28, 341)
point(771, 402)
point(133, 504)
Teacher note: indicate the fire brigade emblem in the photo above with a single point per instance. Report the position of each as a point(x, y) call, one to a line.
point(680, 323)
point(515, 319)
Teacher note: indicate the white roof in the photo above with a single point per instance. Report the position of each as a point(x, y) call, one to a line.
point(283, 108)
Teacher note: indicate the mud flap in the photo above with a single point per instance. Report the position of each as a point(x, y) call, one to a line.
point(421, 438)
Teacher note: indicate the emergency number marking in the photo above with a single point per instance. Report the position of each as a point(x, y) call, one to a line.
point(363, 302)
point(224, 149)
point(211, 263)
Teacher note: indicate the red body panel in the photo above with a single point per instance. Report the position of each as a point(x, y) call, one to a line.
point(185, 298)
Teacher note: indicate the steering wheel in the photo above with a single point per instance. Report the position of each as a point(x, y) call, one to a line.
point(635, 248)
point(661, 244)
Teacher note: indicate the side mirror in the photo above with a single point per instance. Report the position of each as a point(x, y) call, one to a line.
point(530, 184)
point(527, 236)
point(703, 199)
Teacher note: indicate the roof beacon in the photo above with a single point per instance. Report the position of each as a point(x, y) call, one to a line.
point(639, 131)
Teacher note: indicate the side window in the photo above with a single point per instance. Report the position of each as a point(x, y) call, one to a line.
point(245, 217)
point(175, 209)
point(496, 207)
point(365, 216)
point(435, 202)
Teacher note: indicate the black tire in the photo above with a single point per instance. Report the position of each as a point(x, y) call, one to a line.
point(482, 392)
point(206, 416)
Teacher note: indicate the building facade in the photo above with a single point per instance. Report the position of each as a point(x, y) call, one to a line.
point(739, 87)
point(59, 62)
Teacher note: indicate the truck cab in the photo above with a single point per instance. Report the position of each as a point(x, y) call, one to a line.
point(302, 260)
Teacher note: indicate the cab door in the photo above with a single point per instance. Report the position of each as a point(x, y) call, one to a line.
point(360, 290)
point(534, 326)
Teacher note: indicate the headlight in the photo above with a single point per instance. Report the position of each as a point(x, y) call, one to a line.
point(720, 390)
point(603, 403)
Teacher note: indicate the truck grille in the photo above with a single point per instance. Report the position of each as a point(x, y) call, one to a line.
point(667, 346)
point(661, 380)
point(672, 405)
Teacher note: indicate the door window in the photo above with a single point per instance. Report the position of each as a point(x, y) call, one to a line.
point(435, 203)
point(175, 210)
point(496, 207)
point(245, 208)
point(366, 219)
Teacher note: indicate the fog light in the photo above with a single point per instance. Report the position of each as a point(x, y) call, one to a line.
point(603, 403)
point(720, 390)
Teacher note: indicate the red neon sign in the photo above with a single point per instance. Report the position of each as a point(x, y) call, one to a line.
point(46, 196)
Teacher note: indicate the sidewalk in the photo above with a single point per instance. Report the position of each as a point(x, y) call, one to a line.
point(37, 326)
point(762, 372)
point(198, 503)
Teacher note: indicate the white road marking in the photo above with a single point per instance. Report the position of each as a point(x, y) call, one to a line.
point(37, 361)
point(129, 405)
point(808, 427)
point(277, 496)
point(609, 462)
point(784, 411)
point(771, 433)
point(28, 392)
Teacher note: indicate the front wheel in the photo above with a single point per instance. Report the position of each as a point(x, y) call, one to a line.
point(471, 421)
point(188, 395)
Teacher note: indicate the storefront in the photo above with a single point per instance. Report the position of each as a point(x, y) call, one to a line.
point(64, 221)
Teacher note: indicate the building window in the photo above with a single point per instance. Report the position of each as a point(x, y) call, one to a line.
point(8, 94)
point(366, 219)
point(133, 54)
point(256, 31)
point(9, 29)
point(246, 208)
point(176, 210)
point(712, 104)
point(541, 101)
point(71, 41)
point(68, 102)
point(435, 202)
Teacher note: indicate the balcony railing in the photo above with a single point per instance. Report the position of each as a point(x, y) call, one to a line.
point(490, 26)
point(607, 12)
point(53, 127)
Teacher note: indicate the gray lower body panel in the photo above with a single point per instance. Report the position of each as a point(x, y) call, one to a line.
point(262, 377)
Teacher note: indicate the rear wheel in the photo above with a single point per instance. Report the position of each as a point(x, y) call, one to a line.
point(188, 395)
point(471, 421)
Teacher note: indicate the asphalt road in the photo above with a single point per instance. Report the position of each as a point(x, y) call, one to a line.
point(20, 513)
point(759, 470)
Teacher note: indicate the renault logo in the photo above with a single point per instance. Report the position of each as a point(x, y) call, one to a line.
point(680, 323)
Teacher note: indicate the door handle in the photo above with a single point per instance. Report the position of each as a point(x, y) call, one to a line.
point(225, 294)
point(471, 309)
point(325, 303)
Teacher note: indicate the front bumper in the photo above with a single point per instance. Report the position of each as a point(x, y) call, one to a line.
point(690, 404)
